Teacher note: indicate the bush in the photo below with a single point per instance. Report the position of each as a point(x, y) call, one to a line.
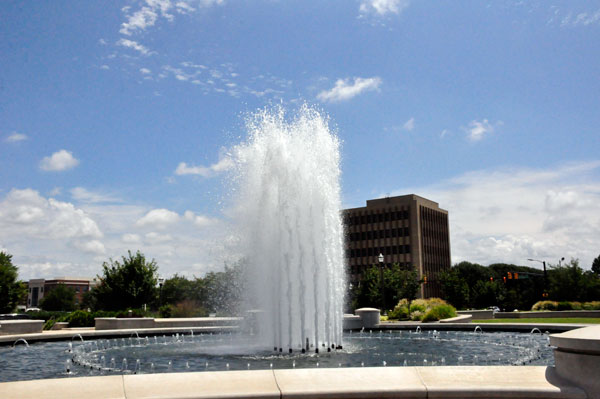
point(418, 305)
point(417, 315)
point(564, 305)
point(439, 312)
point(544, 305)
point(188, 308)
point(400, 311)
point(81, 318)
point(594, 305)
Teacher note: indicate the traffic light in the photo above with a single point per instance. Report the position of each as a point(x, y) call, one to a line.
point(509, 275)
point(492, 279)
point(504, 278)
point(516, 276)
point(424, 279)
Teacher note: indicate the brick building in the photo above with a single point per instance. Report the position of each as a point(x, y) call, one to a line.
point(39, 287)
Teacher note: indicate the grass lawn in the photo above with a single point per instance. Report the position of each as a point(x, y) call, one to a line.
point(572, 320)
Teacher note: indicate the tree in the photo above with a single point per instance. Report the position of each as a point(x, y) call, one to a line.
point(567, 282)
point(398, 284)
point(455, 290)
point(11, 290)
point(596, 266)
point(60, 297)
point(127, 284)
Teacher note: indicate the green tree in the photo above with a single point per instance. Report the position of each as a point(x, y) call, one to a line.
point(11, 290)
point(127, 284)
point(60, 297)
point(176, 289)
point(596, 266)
point(567, 282)
point(398, 284)
point(455, 289)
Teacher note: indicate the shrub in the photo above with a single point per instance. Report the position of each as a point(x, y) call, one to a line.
point(400, 311)
point(564, 305)
point(188, 308)
point(165, 311)
point(418, 305)
point(417, 315)
point(544, 305)
point(439, 312)
point(576, 305)
point(49, 324)
point(594, 305)
point(81, 318)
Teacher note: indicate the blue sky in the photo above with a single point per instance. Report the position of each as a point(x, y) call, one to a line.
point(116, 117)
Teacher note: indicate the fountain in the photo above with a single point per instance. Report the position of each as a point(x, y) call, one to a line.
point(289, 215)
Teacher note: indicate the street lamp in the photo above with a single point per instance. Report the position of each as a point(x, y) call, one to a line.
point(560, 261)
point(543, 262)
point(380, 258)
point(161, 281)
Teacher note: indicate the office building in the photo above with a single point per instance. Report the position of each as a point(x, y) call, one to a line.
point(408, 230)
point(39, 287)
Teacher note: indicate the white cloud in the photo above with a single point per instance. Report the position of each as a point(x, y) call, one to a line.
point(409, 125)
point(27, 214)
point(49, 237)
point(83, 195)
point(199, 220)
point(159, 218)
point(345, 89)
point(130, 238)
point(59, 161)
point(155, 238)
point(511, 214)
point(15, 137)
point(145, 71)
point(139, 21)
point(224, 164)
point(91, 246)
point(105, 67)
point(581, 19)
point(135, 46)
point(477, 129)
point(382, 7)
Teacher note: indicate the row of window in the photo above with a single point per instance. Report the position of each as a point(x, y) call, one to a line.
point(379, 234)
point(352, 220)
point(362, 252)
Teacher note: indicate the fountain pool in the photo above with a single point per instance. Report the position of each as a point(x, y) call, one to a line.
point(233, 351)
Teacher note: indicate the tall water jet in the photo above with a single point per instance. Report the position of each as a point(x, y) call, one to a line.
point(289, 212)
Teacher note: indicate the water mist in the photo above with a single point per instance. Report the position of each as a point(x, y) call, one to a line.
point(288, 209)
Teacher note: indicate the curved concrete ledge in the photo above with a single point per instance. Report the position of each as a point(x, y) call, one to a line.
point(8, 327)
point(368, 382)
point(463, 318)
point(67, 334)
point(577, 358)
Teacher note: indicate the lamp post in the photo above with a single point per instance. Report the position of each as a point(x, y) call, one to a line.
point(161, 281)
point(543, 262)
point(560, 261)
point(380, 258)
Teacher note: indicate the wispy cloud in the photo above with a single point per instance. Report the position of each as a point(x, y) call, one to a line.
point(15, 137)
point(511, 214)
point(478, 129)
point(345, 89)
point(224, 164)
point(134, 46)
point(59, 161)
point(383, 7)
point(581, 19)
point(139, 21)
point(83, 195)
point(409, 125)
